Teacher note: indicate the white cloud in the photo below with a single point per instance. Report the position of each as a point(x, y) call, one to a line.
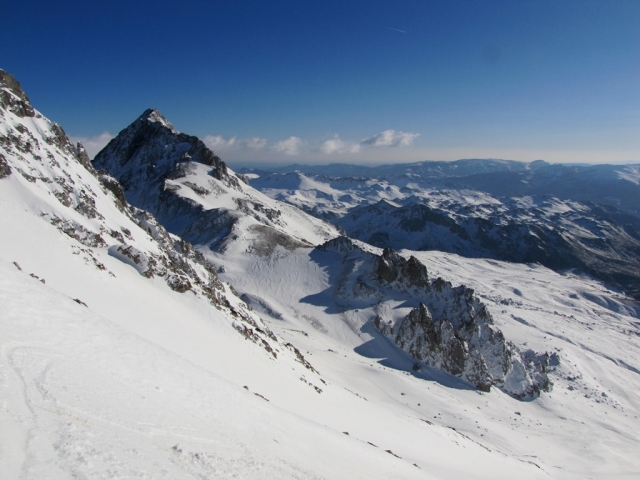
point(290, 146)
point(254, 143)
point(218, 142)
point(389, 138)
point(337, 145)
point(293, 145)
point(94, 144)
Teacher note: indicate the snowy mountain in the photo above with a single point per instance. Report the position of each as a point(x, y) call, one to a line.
point(127, 352)
point(122, 352)
point(195, 195)
point(597, 240)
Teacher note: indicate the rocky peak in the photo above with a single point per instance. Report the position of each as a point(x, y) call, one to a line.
point(151, 115)
point(150, 150)
point(339, 245)
point(12, 97)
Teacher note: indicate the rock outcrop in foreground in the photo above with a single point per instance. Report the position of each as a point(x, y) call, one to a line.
point(450, 328)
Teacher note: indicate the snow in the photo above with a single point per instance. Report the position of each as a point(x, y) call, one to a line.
point(631, 173)
point(571, 432)
point(107, 373)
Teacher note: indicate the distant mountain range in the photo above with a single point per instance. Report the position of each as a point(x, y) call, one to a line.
point(614, 185)
point(435, 206)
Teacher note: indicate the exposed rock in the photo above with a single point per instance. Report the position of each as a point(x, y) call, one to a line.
point(448, 329)
point(83, 157)
point(150, 149)
point(12, 97)
point(114, 187)
point(179, 283)
point(340, 244)
point(5, 169)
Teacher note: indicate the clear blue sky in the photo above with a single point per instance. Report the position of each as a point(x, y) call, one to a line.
point(355, 81)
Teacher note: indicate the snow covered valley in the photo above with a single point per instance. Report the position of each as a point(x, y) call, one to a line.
point(125, 352)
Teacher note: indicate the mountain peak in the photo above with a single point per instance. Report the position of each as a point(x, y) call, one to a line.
point(151, 115)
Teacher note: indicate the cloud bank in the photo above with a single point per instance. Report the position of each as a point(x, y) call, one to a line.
point(218, 142)
point(390, 138)
point(386, 139)
point(290, 146)
point(294, 145)
point(337, 145)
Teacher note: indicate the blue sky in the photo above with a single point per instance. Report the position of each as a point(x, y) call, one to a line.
point(360, 82)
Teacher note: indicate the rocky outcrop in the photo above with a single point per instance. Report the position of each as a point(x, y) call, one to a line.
point(392, 267)
point(12, 97)
point(449, 328)
point(5, 169)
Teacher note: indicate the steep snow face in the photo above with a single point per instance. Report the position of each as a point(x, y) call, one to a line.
point(193, 193)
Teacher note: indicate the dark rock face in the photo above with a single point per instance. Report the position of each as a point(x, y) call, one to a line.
point(392, 266)
point(12, 97)
point(450, 328)
point(5, 169)
point(150, 149)
point(146, 156)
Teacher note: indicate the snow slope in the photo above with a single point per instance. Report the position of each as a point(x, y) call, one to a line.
point(586, 427)
point(110, 367)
